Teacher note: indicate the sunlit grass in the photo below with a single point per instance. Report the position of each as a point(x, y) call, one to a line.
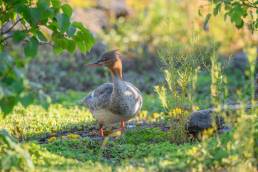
point(35, 121)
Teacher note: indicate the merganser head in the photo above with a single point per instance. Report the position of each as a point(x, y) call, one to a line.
point(112, 60)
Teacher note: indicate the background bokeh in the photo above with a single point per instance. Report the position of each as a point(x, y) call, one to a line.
point(140, 30)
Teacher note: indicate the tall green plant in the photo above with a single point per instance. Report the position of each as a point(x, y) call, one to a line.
point(181, 66)
point(233, 151)
point(218, 80)
point(252, 58)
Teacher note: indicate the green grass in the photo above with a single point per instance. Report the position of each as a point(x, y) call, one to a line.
point(62, 138)
point(36, 122)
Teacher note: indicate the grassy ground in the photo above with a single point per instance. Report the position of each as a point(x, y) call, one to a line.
point(65, 138)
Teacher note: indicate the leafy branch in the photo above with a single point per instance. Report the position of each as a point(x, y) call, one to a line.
point(250, 4)
point(26, 19)
point(240, 12)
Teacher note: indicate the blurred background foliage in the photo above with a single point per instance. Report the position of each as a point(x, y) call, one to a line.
point(141, 30)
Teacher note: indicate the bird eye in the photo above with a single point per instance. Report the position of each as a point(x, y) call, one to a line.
point(104, 59)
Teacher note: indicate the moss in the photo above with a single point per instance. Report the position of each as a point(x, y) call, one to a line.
point(143, 135)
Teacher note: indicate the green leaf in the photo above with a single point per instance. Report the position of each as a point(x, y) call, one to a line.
point(26, 100)
point(84, 38)
point(24, 10)
point(237, 13)
point(78, 25)
point(41, 36)
point(207, 19)
point(44, 10)
point(34, 16)
point(220, 154)
point(31, 47)
point(67, 9)
point(217, 9)
point(71, 30)
point(7, 104)
point(53, 26)
point(57, 45)
point(17, 86)
point(63, 22)
point(19, 36)
point(239, 23)
point(80, 42)
point(56, 3)
point(71, 45)
point(44, 4)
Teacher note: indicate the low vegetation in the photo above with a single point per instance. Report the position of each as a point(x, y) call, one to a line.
point(65, 137)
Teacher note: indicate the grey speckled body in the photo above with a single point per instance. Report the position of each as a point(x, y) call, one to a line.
point(113, 102)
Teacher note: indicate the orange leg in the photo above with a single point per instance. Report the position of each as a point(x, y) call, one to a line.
point(101, 130)
point(122, 125)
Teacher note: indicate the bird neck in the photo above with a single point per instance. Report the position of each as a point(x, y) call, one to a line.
point(116, 70)
point(117, 75)
point(117, 93)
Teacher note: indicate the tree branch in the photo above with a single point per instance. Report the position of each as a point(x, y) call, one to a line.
point(5, 38)
point(10, 35)
point(45, 43)
point(8, 30)
point(249, 4)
